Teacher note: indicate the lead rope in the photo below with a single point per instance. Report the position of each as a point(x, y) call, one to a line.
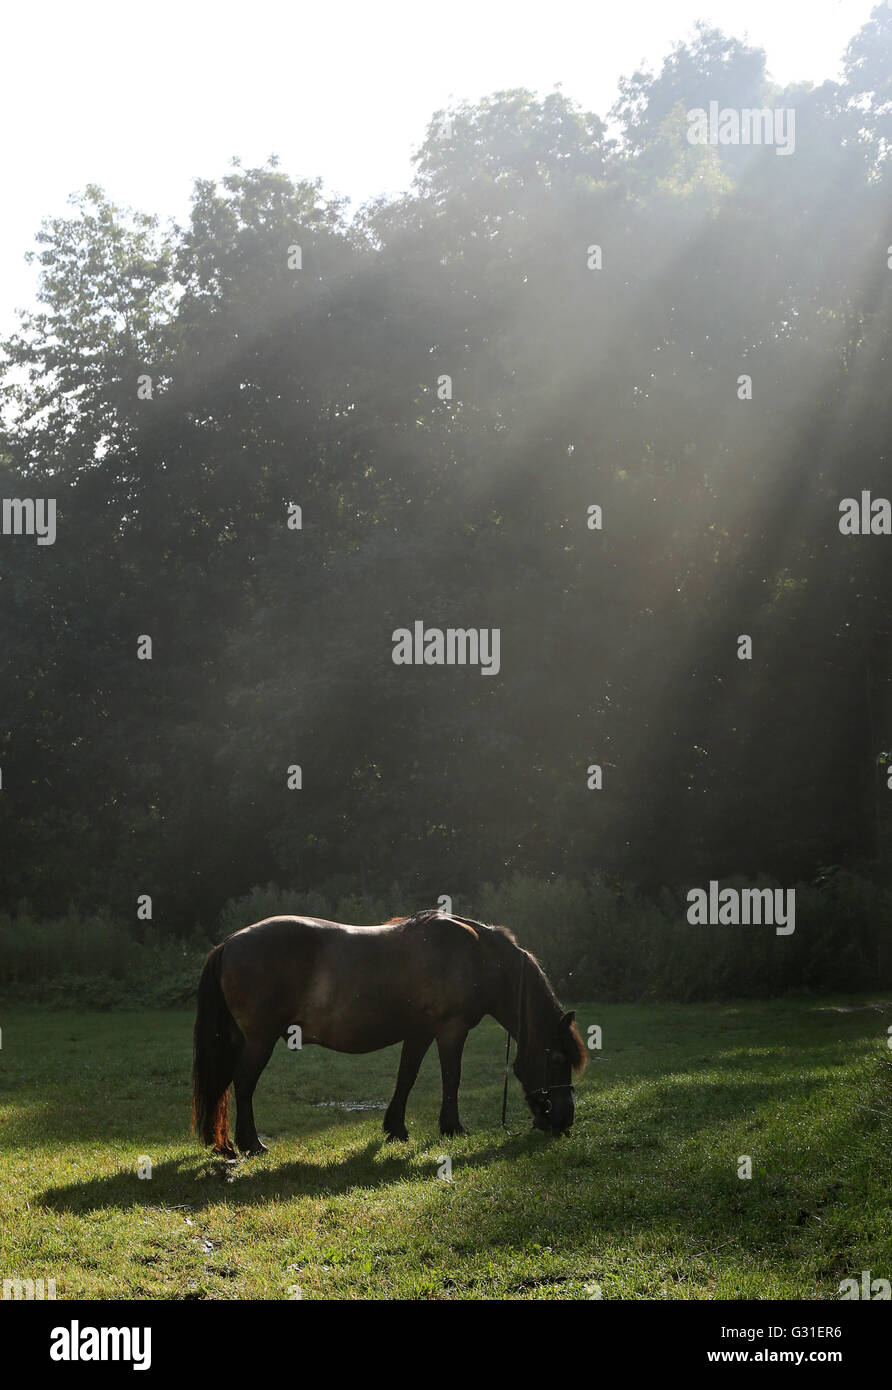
point(508, 1040)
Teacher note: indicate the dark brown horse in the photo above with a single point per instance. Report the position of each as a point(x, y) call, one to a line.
point(357, 989)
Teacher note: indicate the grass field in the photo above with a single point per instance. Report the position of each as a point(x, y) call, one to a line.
point(641, 1200)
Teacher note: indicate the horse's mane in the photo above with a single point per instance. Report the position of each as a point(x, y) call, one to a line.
point(504, 944)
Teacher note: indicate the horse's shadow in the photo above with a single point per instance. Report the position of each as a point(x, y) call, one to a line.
point(195, 1183)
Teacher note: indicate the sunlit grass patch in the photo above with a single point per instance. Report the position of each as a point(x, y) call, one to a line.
point(641, 1200)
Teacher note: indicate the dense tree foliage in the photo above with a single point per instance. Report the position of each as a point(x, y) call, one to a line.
point(573, 386)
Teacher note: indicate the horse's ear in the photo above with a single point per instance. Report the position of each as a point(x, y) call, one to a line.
point(568, 1019)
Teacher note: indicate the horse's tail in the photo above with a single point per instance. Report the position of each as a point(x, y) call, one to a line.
point(215, 1051)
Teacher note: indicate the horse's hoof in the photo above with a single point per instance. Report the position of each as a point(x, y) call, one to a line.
point(254, 1150)
point(226, 1151)
point(452, 1131)
point(396, 1136)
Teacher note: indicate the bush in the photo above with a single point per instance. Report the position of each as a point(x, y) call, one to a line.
point(32, 950)
point(272, 901)
point(550, 917)
point(70, 961)
point(594, 940)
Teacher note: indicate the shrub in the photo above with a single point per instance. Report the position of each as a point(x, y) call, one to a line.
point(595, 940)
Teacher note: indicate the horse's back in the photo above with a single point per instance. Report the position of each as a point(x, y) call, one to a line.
point(350, 987)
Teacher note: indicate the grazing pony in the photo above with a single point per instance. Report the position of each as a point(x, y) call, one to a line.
point(415, 980)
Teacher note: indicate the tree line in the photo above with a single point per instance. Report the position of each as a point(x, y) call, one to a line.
point(605, 393)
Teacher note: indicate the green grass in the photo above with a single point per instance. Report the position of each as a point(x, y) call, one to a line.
point(642, 1199)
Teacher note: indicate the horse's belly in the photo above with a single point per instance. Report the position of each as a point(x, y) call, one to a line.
point(354, 1030)
point(358, 1042)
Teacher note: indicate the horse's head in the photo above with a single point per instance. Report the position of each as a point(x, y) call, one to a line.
point(545, 1070)
point(549, 1049)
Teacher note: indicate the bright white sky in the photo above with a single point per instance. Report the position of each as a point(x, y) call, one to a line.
point(142, 99)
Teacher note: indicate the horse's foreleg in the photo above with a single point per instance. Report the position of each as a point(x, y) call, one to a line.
point(450, 1045)
point(251, 1063)
point(410, 1061)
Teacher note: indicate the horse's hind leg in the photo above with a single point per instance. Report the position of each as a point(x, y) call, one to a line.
point(450, 1045)
point(410, 1060)
point(254, 1058)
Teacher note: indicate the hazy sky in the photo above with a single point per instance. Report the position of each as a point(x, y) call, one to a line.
point(142, 99)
